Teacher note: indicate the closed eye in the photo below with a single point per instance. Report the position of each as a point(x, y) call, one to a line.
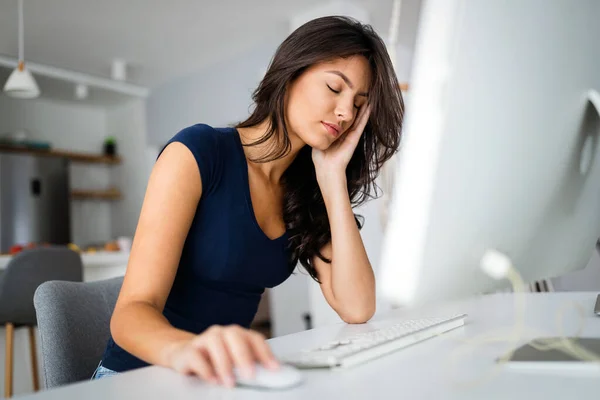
point(337, 92)
point(334, 91)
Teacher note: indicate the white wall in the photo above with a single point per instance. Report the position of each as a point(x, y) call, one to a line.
point(219, 95)
point(66, 125)
point(127, 122)
point(289, 302)
point(72, 127)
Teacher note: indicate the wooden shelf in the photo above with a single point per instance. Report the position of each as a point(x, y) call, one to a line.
point(72, 156)
point(110, 194)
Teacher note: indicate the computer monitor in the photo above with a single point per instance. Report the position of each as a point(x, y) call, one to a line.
point(500, 148)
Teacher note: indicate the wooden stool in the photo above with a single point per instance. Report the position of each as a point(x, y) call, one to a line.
point(18, 282)
point(9, 362)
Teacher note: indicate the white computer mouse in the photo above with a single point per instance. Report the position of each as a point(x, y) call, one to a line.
point(284, 377)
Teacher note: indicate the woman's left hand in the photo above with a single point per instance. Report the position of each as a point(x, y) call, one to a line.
point(335, 159)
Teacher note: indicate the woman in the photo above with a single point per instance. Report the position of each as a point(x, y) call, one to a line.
point(231, 211)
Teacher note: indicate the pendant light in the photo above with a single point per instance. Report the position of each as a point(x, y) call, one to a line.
point(20, 83)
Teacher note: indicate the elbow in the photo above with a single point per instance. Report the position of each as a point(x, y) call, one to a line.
point(114, 328)
point(358, 316)
point(117, 326)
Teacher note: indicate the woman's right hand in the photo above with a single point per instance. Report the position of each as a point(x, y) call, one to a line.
point(213, 354)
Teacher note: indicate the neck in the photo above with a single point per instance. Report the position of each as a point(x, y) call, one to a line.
point(272, 170)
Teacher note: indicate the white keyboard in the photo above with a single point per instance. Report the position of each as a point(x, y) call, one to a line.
point(363, 347)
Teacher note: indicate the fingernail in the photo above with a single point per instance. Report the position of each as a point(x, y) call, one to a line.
point(273, 364)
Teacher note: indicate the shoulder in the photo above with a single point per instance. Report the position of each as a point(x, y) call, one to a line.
point(204, 139)
point(196, 135)
point(208, 145)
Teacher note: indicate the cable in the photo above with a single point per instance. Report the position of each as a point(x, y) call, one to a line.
point(498, 266)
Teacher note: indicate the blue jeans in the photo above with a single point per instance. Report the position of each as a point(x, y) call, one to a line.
point(102, 372)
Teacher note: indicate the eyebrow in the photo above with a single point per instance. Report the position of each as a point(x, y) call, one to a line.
point(347, 80)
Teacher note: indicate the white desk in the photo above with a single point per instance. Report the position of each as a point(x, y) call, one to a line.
point(418, 372)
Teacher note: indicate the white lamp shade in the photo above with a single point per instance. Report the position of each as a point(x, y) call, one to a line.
point(21, 84)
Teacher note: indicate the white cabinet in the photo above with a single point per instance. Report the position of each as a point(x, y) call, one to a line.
point(289, 304)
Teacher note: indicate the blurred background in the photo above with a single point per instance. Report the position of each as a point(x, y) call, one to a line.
point(136, 72)
point(116, 80)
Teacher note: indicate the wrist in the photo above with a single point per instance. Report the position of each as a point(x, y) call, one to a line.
point(331, 178)
point(171, 349)
point(333, 188)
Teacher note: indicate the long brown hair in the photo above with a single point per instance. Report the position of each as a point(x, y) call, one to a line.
point(320, 40)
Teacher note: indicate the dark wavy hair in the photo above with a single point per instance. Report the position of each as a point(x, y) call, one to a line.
point(320, 40)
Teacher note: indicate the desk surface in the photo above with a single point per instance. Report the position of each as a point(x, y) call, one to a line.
point(423, 371)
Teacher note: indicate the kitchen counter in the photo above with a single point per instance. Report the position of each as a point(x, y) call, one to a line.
point(98, 265)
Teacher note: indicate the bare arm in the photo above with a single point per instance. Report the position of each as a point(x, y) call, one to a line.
point(348, 283)
point(137, 324)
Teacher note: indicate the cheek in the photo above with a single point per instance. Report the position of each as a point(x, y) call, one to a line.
point(296, 113)
point(306, 108)
point(299, 110)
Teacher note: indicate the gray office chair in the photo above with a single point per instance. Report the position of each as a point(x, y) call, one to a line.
point(74, 324)
point(23, 274)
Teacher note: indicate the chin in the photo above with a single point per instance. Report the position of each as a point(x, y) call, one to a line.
point(316, 141)
point(319, 144)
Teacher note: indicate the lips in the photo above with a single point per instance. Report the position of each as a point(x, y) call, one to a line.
point(333, 130)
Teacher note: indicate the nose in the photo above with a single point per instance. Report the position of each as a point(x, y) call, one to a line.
point(344, 112)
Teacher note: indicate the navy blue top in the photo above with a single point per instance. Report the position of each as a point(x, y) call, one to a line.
point(227, 260)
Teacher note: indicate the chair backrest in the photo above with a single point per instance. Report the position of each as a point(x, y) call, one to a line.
point(29, 269)
point(74, 324)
